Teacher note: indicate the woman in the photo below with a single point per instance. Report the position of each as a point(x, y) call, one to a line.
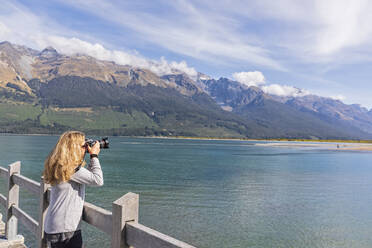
point(64, 170)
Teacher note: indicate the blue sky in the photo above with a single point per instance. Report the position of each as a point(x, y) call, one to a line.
point(323, 47)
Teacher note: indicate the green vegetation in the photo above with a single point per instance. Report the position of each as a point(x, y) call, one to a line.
point(101, 108)
point(18, 111)
point(20, 117)
point(134, 110)
point(282, 121)
point(99, 118)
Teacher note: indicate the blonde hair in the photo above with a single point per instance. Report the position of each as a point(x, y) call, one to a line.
point(64, 158)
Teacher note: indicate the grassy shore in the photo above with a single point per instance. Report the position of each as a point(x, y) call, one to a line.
point(340, 145)
point(238, 139)
point(278, 139)
point(325, 140)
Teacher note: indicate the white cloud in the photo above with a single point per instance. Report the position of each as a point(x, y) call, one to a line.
point(187, 29)
point(19, 25)
point(163, 67)
point(314, 32)
point(284, 90)
point(343, 24)
point(182, 66)
point(72, 46)
point(309, 37)
point(4, 30)
point(338, 97)
point(256, 78)
point(33, 32)
point(249, 78)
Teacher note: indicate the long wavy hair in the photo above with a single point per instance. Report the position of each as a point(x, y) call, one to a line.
point(64, 158)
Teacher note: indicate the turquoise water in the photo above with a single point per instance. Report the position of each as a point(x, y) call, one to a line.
point(224, 193)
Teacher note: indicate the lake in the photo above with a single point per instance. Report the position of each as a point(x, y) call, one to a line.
point(223, 193)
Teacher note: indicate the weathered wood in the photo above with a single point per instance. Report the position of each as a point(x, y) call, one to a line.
point(98, 217)
point(3, 172)
point(138, 235)
point(2, 226)
point(3, 200)
point(27, 183)
point(12, 200)
point(43, 208)
point(122, 224)
point(15, 243)
point(124, 209)
point(25, 219)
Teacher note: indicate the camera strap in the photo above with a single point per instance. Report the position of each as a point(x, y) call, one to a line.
point(77, 168)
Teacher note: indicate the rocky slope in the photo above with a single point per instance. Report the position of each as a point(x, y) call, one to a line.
point(19, 64)
point(334, 110)
point(236, 97)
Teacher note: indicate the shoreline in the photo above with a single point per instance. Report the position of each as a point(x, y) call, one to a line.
point(341, 145)
point(214, 138)
point(267, 140)
point(366, 149)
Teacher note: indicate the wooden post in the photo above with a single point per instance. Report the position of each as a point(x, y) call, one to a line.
point(11, 221)
point(124, 209)
point(43, 207)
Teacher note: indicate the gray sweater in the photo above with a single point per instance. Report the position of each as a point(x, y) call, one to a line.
point(67, 199)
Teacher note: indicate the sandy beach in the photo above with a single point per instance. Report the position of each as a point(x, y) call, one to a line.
point(358, 148)
point(328, 146)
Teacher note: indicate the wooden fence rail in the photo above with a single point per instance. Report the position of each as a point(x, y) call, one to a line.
point(31, 224)
point(121, 224)
point(2, 200)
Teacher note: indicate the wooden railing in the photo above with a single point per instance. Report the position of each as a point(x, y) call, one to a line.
point(121, 224)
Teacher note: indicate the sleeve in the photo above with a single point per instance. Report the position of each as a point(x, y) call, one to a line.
point(90, 176)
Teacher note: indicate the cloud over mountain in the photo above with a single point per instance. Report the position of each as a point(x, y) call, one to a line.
point(284, 90)
point(72, 46)
point(249, 78)
point(338, 97)
point(306, 43)
point(256, 78)
point(39, 32)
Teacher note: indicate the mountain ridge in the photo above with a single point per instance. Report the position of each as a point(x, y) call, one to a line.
point(172, 104)
point(230, 94)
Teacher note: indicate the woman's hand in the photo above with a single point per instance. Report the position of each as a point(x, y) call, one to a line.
point(95, 149)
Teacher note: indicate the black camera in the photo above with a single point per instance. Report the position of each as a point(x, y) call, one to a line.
point(103, 143)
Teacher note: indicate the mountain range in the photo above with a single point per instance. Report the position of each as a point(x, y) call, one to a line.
point(48, 92)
